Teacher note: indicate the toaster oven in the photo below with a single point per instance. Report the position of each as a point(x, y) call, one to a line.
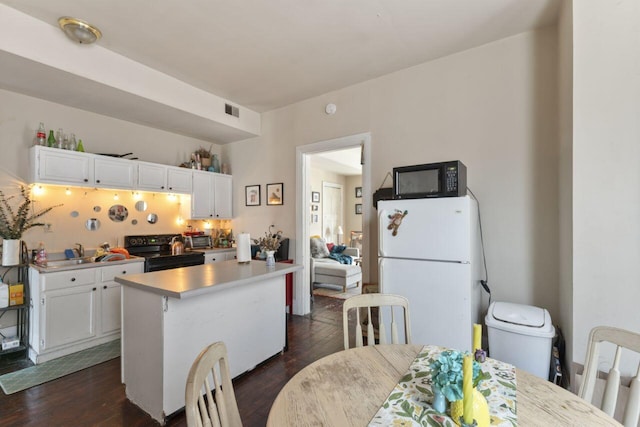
point(201, 241)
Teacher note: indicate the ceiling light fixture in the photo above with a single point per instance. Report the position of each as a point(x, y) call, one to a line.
point(78, 30)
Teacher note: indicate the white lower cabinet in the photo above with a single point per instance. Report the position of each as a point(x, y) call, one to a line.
point(75, 309)
point(219, 255)
point(69, 315)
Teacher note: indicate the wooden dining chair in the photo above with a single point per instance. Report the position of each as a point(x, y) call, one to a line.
point(204, 409)
point(368, 302)
point(621, 339)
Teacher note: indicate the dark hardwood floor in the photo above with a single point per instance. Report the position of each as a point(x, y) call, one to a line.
point(95, 396)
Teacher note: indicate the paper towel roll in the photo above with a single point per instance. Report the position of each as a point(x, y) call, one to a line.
point(243, 247)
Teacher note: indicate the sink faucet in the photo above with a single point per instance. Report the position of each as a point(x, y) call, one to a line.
point(80, 250)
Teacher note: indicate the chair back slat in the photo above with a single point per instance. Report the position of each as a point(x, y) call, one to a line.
point(632, 411)
point(358, 330)
point(622, 339)
point(203, 407)
point(610, 397)
point(369, 301)
point(382, 332)
point(208, 409)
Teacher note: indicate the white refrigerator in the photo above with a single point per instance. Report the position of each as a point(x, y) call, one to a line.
point(429, 251)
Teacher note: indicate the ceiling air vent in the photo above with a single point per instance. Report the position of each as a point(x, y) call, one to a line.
point(231, 110)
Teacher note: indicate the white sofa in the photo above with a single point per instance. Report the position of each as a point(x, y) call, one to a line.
point(326, 270)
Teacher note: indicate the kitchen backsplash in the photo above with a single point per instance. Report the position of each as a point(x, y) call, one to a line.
point(93, 216)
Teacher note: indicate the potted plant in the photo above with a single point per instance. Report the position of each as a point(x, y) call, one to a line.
point(205, 157)
point(269, 244)
point(14, 221)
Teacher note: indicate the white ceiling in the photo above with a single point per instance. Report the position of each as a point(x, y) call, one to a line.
point(268, 54)
point(343, 162)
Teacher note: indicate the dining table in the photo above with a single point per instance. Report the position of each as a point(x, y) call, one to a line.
point(348, 388)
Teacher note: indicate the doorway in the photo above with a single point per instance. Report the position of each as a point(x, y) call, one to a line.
point(304, 213)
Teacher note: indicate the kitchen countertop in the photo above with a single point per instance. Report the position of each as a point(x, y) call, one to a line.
point(188, 282)
point(85, 265)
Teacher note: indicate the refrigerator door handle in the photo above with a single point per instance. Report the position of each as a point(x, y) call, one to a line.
point(381, 231)
point(380, 275)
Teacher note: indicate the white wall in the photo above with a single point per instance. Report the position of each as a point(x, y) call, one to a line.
point(493, 107)
point(19, 118)
point(606, 176)
point(565, 67)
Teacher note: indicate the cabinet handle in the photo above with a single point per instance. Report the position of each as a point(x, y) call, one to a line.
point(124, 271)
point(170, 188)
point(162, 188)
point(95, 289)
point(73, 279)
point(98, 181)
point(104, 287)
point(86, 180)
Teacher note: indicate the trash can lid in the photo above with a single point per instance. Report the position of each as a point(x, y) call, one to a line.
point(519, 314)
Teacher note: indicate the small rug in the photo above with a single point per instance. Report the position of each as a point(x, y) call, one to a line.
point(57, 368)
point(335, 291)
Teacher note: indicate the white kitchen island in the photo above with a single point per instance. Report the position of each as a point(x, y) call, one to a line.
point(169, 316)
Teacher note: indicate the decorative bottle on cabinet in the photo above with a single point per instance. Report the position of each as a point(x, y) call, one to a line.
point(40, 135)
point(51, 142)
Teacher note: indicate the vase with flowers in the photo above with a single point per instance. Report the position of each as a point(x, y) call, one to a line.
point(446, 381)
point(269, 244)
point(15, 219)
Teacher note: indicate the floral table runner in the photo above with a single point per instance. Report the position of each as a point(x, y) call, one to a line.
point(409, 403)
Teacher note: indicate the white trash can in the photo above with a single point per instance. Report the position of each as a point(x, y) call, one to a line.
point(521, 335)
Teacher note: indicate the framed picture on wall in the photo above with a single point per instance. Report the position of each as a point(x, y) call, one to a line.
point(275, 194)
point(252, 195)
point(358, 208)
point(358, 192)
point(315, 196)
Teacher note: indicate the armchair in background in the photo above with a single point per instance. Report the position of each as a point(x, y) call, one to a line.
point(334, 265)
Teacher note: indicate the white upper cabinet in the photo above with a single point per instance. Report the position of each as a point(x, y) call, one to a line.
point(63, 167)
point(222, 196)
point(55, 166)
point(179, 180)
point(152, 176)
point(202, 197)
point(211, 197)
point(113, 172)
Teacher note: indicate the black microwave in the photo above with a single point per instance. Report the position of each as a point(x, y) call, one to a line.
point(444, 179)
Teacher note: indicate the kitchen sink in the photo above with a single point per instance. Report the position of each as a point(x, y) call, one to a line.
point(68, 262)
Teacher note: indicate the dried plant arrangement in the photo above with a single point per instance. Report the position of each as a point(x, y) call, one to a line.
point(14, 221)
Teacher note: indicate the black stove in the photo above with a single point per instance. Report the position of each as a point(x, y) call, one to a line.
point(156, 249)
